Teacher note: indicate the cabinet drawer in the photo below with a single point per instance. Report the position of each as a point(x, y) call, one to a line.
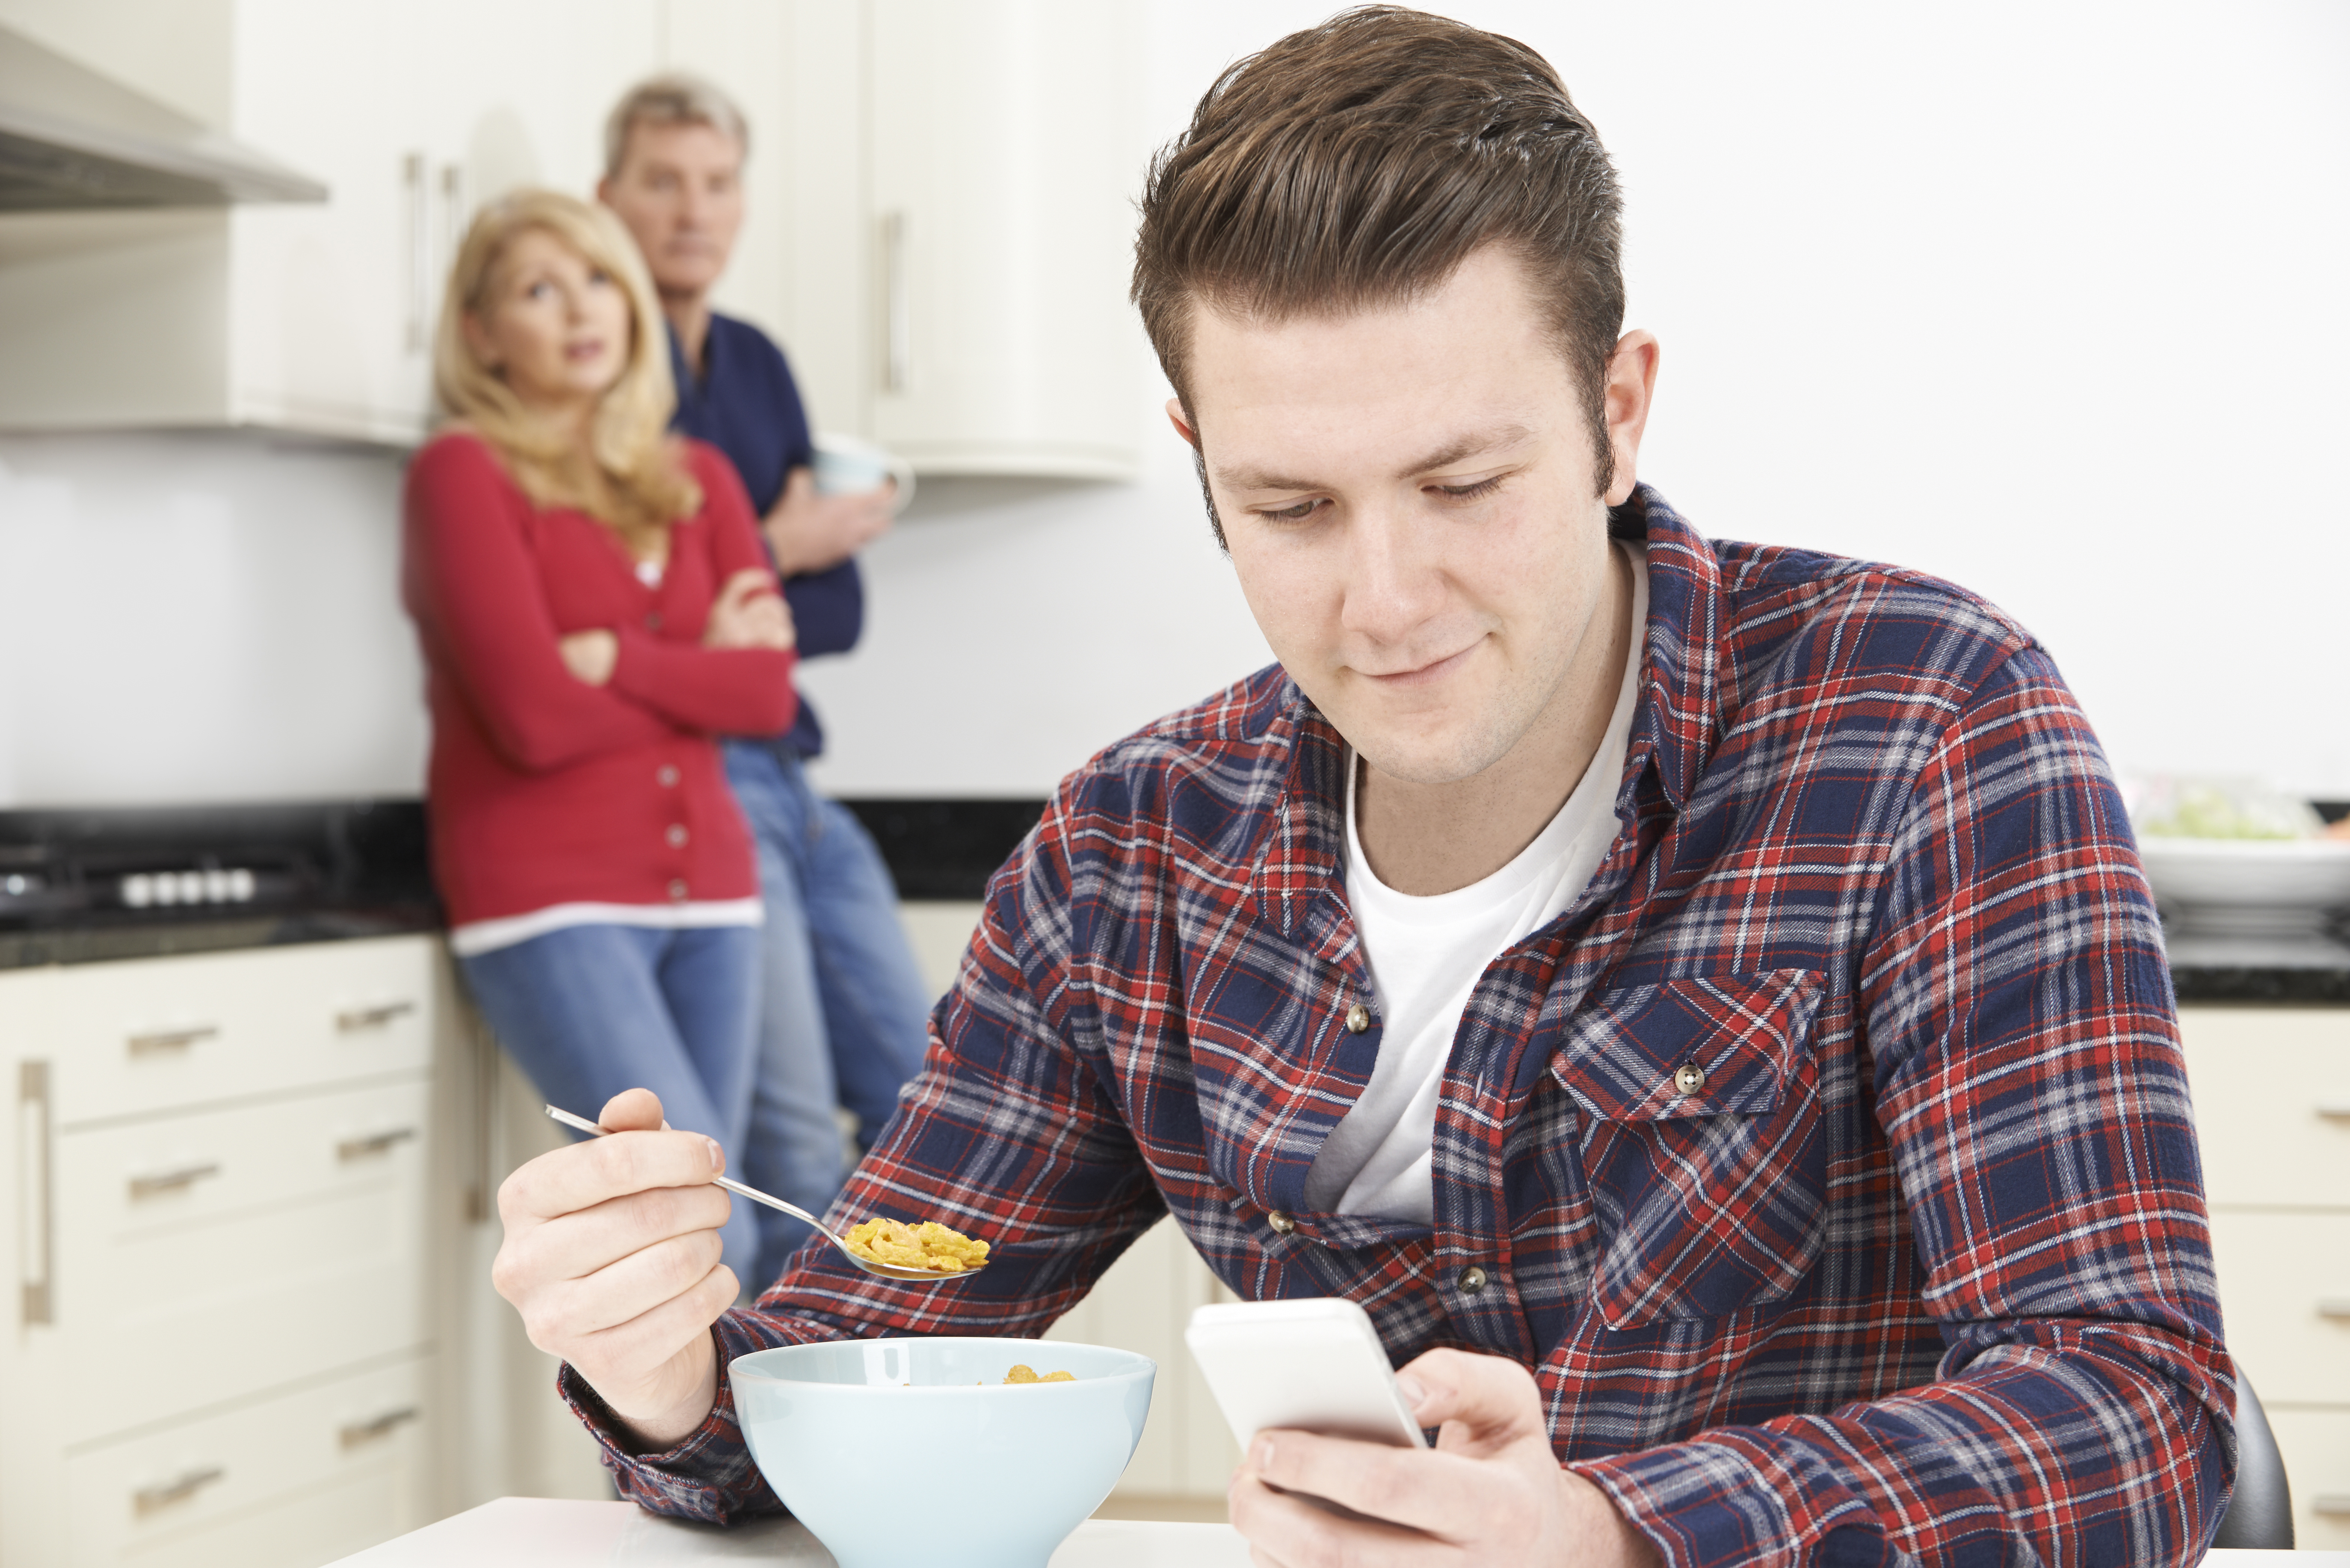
point(2271, 1089)
point(161, 1033)
point(247, 1247)
point(295, 1481)
point(2285, 1293)
point(2316, 1448)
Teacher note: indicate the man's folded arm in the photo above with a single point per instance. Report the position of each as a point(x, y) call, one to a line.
point(2025, 1050)
point(1009, 1134)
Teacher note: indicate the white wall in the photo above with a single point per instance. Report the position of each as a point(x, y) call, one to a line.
point(2048, 299)
point(202, 618)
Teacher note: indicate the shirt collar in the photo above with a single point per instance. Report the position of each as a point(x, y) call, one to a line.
point(1681, 701)
point(1674, 726)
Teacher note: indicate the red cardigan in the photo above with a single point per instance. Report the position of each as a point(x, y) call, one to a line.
point(545, 790)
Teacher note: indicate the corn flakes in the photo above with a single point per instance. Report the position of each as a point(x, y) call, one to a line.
point(930, 1246)
point(1023, 1372)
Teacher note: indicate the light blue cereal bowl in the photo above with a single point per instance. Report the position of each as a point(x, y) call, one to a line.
point(912, 1453)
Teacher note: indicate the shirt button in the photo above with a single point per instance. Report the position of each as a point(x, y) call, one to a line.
point(1358, 1018)
point(676, 835)
point(667, 777)
point(1689, 1079)
point(1471, 1281)
point(677, 891)
point(1282, 1223)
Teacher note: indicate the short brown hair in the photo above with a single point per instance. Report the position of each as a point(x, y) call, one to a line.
point(674, 98)
point(1359, 164)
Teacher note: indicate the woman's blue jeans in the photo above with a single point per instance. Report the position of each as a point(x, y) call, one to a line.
point(843, 1014)
point(590, 1011)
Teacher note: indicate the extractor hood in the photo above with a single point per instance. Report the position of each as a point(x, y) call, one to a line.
point(71, 140)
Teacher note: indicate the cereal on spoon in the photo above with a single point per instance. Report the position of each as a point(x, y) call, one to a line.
point(930, 1246)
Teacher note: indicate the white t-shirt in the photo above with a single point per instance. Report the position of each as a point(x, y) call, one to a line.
point(1426, 956)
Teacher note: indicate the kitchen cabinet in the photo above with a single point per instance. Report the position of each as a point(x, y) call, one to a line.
point(961, 180)
point(251, 1205)
point(312, 318)
point(2272, 1091)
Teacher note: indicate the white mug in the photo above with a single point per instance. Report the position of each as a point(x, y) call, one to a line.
point(847, 466)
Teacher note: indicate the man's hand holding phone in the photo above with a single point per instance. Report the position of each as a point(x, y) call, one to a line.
point(1491, 1493)
point(611, 1256)
point(1323, 1421)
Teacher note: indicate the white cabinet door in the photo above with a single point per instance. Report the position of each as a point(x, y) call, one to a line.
point(1006, 159)
point(330, 306)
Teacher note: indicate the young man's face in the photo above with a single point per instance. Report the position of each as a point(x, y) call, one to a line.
point(680, 191)
point(1409, 496)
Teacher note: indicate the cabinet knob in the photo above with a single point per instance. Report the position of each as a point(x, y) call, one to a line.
point(179, 1488)
point(352, 1020)
point(372, 1143)
point(156, 1039)
point(177, 1179)
point(375, 1427)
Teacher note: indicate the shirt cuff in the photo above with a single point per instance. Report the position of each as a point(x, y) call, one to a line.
point(708, 1475)
point(1720, 1500)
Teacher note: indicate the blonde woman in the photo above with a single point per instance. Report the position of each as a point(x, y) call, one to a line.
point(594, 608)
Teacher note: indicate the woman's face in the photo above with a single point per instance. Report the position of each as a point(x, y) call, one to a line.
point(554, 326)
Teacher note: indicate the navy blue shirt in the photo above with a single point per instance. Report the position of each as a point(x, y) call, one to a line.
point(744, 404)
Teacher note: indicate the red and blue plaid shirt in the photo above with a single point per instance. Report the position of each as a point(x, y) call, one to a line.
point(1918, 1270)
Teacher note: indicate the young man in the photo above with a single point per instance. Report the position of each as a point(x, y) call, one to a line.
point(1702, 999)
point(842, 998)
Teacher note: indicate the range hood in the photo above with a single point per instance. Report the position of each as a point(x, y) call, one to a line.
point(71, 140)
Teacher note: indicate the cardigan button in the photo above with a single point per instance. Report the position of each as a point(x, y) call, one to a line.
point(1358, 1019)
point(1282, 1223)
point(676, 835)
point(652, 621)
point(677, 891)
point(667, 777)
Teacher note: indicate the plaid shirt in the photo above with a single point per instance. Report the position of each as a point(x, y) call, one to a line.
point(1917, 1270)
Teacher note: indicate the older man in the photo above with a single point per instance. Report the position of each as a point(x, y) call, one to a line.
point(844, 1002)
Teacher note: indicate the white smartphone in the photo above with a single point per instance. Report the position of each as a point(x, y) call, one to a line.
point(1314, 1364)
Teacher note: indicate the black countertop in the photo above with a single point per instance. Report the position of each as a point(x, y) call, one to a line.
point(335, 871)
point(2217, 968)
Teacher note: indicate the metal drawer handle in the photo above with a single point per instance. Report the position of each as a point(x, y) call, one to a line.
point(2334, 1504)
point(185, 1485)
point(2334, 1306)
point(35, 1253)
point(372, 1143)
point(359, 1018)
point(2335, 1110)
point(375, 1427)
point(171, 1039)
point(177, 1180)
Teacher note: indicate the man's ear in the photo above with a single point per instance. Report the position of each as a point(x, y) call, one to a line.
point(1631, 388)
point(1182, 426)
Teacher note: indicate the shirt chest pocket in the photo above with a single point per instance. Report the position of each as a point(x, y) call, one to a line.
point(1702, 1141)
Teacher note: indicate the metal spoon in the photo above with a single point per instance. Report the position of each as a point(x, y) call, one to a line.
point(886, 1271)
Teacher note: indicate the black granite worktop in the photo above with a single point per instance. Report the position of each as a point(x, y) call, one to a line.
point(335, 871)
point(87, 886)
point(2217, 969)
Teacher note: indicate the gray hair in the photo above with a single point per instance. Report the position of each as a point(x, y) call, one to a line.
point(674, 98)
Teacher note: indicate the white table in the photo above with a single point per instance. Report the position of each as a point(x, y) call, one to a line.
point(539, 1533)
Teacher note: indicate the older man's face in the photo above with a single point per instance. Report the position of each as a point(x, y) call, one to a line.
point(680, 191)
